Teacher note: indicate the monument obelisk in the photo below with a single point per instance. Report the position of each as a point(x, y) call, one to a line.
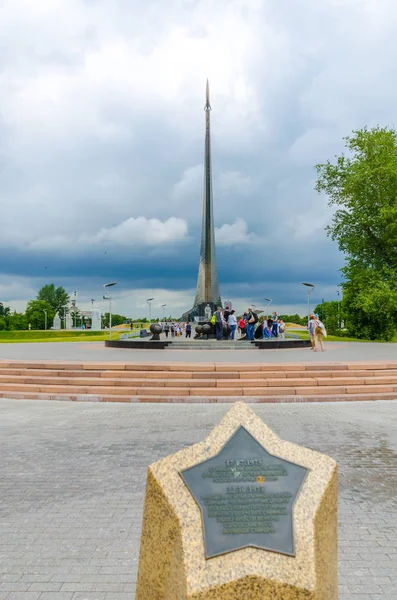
point(207, 291)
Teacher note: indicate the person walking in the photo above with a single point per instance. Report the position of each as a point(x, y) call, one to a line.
point(320, 332)
point(312, 327)
point(218, 323)
point(188, 330)
point(166, 329)
point(232, 322)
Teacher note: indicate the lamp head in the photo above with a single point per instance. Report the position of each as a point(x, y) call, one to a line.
point(310, 285)
point(107, 285)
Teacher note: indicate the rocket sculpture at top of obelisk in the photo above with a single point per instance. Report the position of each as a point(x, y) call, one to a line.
point(207, 284)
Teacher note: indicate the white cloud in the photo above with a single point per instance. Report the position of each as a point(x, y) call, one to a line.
point(236, 233)
point(133, 232)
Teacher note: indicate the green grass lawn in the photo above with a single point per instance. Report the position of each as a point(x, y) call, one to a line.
point(15, 337)
point(332, 338)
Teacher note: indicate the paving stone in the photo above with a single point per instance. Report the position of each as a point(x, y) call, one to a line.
point(72, 483)
point(89, 596)
point(25, 596)
point(56, 596)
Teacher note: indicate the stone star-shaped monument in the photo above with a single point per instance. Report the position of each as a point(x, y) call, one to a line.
point(246, 497)
point(241, 515)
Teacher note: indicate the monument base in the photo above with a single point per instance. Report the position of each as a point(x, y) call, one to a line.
point(198, 311)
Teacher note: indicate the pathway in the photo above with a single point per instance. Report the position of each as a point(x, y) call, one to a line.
point(72, 482)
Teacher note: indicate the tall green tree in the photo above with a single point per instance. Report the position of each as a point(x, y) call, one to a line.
point(35, 314)
point(57, 297)
point(362, 186)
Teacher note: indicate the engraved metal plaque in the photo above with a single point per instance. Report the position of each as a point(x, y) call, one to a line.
point(246, 497)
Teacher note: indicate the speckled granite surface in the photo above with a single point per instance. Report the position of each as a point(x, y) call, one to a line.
point(172, 563)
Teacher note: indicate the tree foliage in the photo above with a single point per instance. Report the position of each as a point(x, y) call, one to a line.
point(370, 301)
point(4, 310)
point(362, 186)
point(116, 319)
point(9, 320)
point(331, 314)
point(57, 297)
point(35, 314)
point(298, 320)
point(17, 321)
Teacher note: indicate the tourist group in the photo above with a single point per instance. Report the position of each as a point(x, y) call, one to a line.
point(249, 326)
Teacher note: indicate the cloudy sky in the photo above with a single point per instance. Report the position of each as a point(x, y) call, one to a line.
point(102, 139)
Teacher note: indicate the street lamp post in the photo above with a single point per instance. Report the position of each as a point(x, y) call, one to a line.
point(75, 312)
point(149, 301)
point(108, 296)
point(310, 288)
point(92, 308)
point(163, 307)
point(339, 323)
point(45, 318)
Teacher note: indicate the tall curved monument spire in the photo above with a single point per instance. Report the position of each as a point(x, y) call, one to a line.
point(207, 284)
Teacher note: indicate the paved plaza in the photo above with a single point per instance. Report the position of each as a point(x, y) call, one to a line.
point(96, 351)
point(72, 482)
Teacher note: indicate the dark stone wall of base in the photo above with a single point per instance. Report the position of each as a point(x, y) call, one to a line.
point(272, 344)
point(137, 344)
point(161, 345)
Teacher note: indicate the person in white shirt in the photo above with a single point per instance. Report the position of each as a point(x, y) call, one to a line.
point(281, 329)
point(232, 322)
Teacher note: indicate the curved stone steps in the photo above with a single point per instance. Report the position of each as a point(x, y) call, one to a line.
point(208, 382)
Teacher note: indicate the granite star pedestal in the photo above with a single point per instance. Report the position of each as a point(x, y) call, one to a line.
point(241, 515)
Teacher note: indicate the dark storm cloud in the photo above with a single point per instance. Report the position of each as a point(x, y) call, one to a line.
point(102, 124)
